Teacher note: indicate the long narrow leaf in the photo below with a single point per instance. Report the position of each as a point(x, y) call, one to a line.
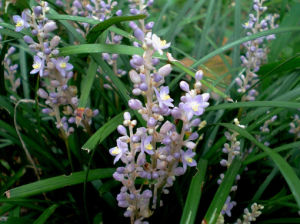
point(222, 193)
point(96, 31)
point(54, 183)
point(46, 214)
point(102, 133)
point(194, 194)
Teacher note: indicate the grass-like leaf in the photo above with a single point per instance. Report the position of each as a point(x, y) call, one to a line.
point(46, 214)
point(97, 30)
point(87, 84)
point(103, 132)
point(58, 182)
point(222, 193)
point(282, 104)
point(100, 48)
point(194, 194)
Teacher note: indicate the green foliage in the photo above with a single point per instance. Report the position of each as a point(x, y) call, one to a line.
point(74, 186)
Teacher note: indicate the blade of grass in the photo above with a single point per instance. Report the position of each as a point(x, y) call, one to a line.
point(281, 104)
point(236, 34)
point(262, 155)
point(97, 30)
point(24, 72)
point(194, 194)
point(181, 14)
point(201, 46)
point(58, 182)
point(222, 193)
point(87, 84)
point(100, 48)
point(102, 133)
point(46, 214)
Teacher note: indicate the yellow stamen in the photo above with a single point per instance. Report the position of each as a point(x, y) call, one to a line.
point(63, 65)
point(149, 147)
point(116, 151)
point(36, 65)
point(195, 107)
point(19, 23)
point(247, 24)
point(163, 42)
point(165, 97)
point(189, 160)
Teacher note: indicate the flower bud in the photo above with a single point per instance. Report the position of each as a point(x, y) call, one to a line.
point(46, 110)
point(122, 130)
point(38, 11)
point(50, 26)
point(139, 34)
point(133, 25)
point(199, 75)
point(28, 39)
point(127, 116)
point(184, 86)
point(149, 25)
point(135, 104)
point(134, 77)
point(143, 86)
point(119, 12)
point(165, 70)
point(42, 93)
point(151, 122)
point(190, 145)
point(55, 41)
point(167, 126)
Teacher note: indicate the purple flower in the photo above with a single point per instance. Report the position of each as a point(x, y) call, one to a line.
point(228, 206)
point(62, 65)
point(163, 97)
point(38, 66)
point(146, 145)
point(187, 158)
point(21, 22)
point(119, 150)
point(195, 105)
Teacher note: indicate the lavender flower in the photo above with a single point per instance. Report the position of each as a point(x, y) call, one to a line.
point(21, 21)
point(146, 145)
point(187, 158)
point(228, 207)
point(62, 65)
point(38, 66)
point(119, 151)
point(163, 97)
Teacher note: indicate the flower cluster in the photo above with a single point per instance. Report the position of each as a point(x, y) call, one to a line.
point(295, 126)
point(256, 50)
point(265, 127)
point(96, 9)
point(11, 70)
point(232, 149)
point(248, 216)
point(155, 154)
point(56, 71)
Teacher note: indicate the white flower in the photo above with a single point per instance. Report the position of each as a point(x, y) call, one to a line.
point(157, 44)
